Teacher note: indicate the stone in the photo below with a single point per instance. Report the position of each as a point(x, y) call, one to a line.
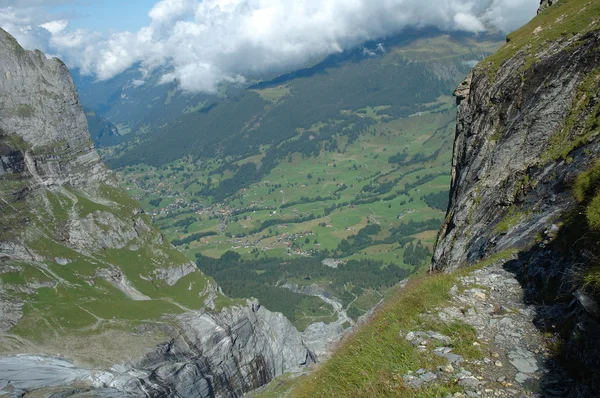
point(469, 382)
point(521, 377)
point(523, 360)
point(448, 368)
point(588, 303)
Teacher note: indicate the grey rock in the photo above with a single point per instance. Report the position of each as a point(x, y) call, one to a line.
point(49, 372)
point(452, 358)
point(588, 303)
point(22, 112)
point(523, 360)
point(506, 167)
point(439, 337)
point(521, 377)
point(545, 4)
point(469, 382)
point(11, 310)
point(422, 378)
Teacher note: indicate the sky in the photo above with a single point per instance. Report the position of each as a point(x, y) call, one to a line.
point(105, 15)
point(207, 42)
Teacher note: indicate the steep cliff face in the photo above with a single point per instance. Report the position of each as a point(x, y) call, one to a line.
point(525, 148)
point(85, 277)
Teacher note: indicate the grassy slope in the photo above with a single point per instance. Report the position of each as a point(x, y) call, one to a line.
point(64, 297)
point(563, 20)
point(373, 360)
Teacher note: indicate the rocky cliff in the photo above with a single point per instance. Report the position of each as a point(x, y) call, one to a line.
point(525, 176)
point(93, 300)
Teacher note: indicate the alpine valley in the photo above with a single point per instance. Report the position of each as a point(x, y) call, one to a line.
point(359, 227)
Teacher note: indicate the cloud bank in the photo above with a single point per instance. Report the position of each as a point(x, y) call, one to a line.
point(211, 41)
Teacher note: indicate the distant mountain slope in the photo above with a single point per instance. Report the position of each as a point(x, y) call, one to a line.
point(102, 132)
point(84, 273)
point(306, 110)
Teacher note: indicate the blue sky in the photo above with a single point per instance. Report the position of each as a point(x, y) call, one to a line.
point(106, 15)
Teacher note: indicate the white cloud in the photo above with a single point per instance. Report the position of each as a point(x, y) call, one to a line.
point(468, 22)
point(210, 41)
point(55, 27)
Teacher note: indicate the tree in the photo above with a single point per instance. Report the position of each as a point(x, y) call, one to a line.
point(155, 202)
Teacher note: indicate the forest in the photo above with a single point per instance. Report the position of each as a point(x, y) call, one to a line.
point(239, 278)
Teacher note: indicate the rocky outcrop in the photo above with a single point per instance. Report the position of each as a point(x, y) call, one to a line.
point(84, 273)
point(55, 129)
point(545, 4)
point(526, 128)
point(210, 355)
point(320, 337)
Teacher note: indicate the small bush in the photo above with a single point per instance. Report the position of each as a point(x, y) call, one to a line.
point(592, 213)
point(591, 279)
point(587, 183)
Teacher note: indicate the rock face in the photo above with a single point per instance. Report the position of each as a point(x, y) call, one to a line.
point(50, 127)
point(527, 127)
point(85, 274)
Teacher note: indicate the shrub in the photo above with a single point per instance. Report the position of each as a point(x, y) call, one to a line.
point(587, 183)
point(592, 213)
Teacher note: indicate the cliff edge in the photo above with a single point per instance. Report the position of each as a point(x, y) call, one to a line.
point(525, 173)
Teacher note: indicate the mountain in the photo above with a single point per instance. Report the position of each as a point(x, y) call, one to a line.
point(94, 300)
point(102, 132)
point(135, 102)
point(511, 304)
point(525, 173)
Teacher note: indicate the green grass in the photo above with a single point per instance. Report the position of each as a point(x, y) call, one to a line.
point(313, 309)
point(278, 388)
point(132, 310)
point(587, 183)
point(582, 121)
point(563, 20)
point(373, 361)
point(586, 190)
point(274, 94)
point(510, 220)
point(60, 206)
point(78, 294)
